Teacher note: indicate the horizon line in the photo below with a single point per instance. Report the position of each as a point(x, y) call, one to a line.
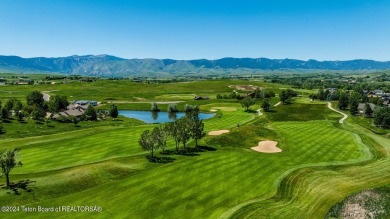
point(209, 59)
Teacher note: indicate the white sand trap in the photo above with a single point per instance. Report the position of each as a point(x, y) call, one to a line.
point(219, 132)
point(213, 110)
point(267, 147)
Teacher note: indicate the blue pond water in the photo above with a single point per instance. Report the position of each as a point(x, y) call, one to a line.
point(158, 117)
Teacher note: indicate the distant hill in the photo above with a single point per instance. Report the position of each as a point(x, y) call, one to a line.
point(111, 66)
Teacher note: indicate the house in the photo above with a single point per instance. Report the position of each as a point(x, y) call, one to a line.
point(331, 90)
point(86, 102)
point(378, 92)
point(362, 106)
point(72, 110)
point(201, 98)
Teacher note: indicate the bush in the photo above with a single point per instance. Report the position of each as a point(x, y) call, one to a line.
point(172, 108)
point(154, 107)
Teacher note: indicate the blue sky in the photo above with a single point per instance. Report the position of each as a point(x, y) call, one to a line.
point(184, 29)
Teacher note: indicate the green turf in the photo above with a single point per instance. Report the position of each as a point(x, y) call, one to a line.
point(322, 162)
point(302, 112)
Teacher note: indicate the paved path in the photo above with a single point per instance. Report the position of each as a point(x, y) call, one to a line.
point(46, 97)
point(345, 115)
point(259, 110)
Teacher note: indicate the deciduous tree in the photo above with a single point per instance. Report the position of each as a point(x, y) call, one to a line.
point(90, 112)
point(8, 161)
point(247, 102)
point(35, 98)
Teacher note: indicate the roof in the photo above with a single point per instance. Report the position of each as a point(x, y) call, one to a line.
point(201, 97)
point(363, 105)
point(72, 110)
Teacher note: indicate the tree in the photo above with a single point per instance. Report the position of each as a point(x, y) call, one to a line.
point(4, 113)
point(382, 116)
point(172, 108)
point(114, 111)
point(35, 98)
point(343, 101)
point(247, 102)
point(354, 103)
point(1, 129)
point(90, 112)
point(184, 130)
point(18, 106)
point(188, 108)
point(284, 97)
point(37, 113)
point(269, 93)
point(174, 132)
point(367, 110)
point(259, 93)
point(9, 105)
point(75, 120)
point(196, 126)
point(148, 141)
point(154, 107)
point(57, 103)
point(321, 94)
point(164, 133)
point(266, 105)
point(8, 161)
point(20, 116)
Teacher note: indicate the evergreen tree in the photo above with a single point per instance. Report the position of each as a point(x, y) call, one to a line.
point(367, 110)
point(266, 105)
point(343, 101)
point(114, 111)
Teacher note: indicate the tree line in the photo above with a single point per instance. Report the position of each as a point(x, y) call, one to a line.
point(36, 108)
point(351, 99)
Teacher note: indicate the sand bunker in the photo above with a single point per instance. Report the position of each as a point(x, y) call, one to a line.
point(213, 110)
point(219, 132)
point(267, 147)
point(246, 87)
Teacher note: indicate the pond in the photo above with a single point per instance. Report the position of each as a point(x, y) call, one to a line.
point(158, 117)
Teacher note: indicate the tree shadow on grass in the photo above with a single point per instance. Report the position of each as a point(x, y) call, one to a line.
point(160, 159)
point(250, 111)
point(204, 148)
point(17, 187)
point(168, 152)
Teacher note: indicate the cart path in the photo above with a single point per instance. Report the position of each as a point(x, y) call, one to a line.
point(345, 115)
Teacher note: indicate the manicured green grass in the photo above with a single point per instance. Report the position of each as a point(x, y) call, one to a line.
point(106, 90)
point(203, 186)
point(28, 127)
point(302, 112)
point(322, 162)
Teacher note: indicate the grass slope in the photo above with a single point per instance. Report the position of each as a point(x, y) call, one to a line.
point(322, 162)
point(222, 173)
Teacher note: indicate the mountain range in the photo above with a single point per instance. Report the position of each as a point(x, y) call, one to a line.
point(111, 66)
